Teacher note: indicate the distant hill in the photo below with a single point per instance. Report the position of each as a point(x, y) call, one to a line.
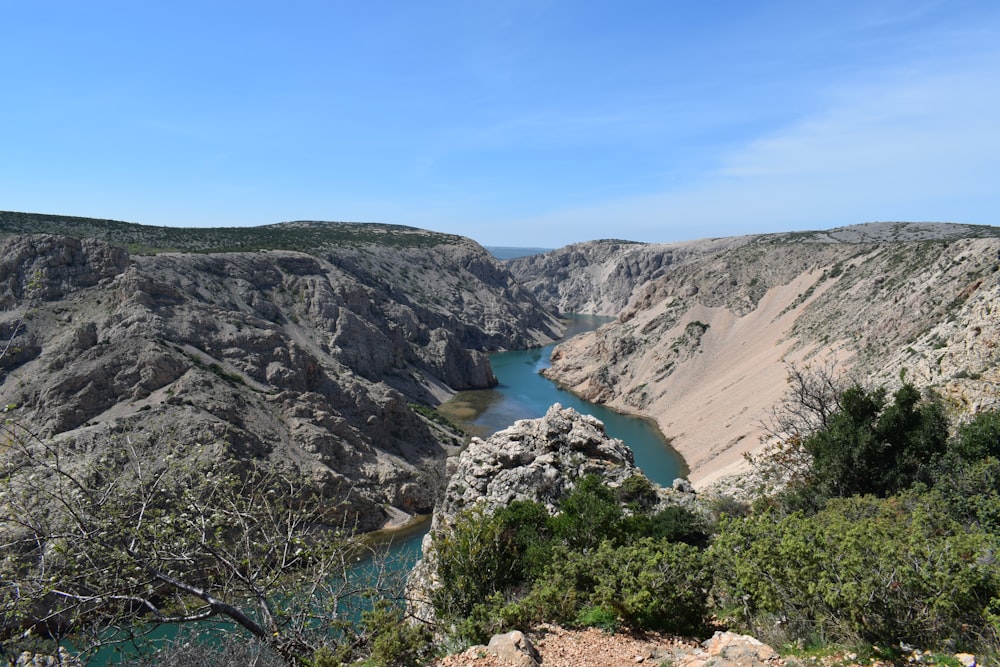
point(505, 252)
point(305, 236)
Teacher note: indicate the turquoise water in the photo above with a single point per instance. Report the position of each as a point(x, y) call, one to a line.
point(524, 393)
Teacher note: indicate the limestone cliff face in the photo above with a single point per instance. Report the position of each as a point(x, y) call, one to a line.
point(602, 277)
point(307, 360)
point(703, 342)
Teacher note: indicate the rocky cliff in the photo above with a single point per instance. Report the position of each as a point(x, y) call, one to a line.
point(602, 277)
point(705, 331)
point(321, 359)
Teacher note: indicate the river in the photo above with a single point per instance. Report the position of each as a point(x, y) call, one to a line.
point(523, 393)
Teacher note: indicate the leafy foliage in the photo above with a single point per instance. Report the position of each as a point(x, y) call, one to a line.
point(647, 583)
point(870, 446)
point(878, 448)
point(887, 531)
point(473, 564)
point(592, 563)
point(862, 569)
point(980, 438)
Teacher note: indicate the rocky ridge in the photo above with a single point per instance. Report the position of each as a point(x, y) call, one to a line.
point(705, 331)
point(315, 361)
point(602, 277)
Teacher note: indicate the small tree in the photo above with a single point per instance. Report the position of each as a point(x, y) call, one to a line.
point(103, 549)
point(828, 442)
point(809, 404)
point(871, 446)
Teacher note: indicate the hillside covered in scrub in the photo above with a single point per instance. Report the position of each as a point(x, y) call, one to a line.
point(879, 548)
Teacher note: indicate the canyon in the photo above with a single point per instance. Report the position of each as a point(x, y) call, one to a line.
point(324, 362)
point(324, 348)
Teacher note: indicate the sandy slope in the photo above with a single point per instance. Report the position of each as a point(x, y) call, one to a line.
point(711, 407)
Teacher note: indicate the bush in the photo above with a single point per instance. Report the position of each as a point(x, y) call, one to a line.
point(638, 494)
point(971, 493)
point(590, 564)
point(870, 447)
point(979, 438)
point(648, 584)
point(673, 524)
point(588, 515)
point(472, 564)
point(868, 569)
point(394, 642)
point(653, 584)
point(527, 536)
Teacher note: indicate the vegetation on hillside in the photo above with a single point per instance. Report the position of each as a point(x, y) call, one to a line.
point(904, 554)
point(602, 559)
point(304, 236)
point(886, 535)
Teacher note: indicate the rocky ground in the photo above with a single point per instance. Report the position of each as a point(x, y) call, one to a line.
point(553, 646)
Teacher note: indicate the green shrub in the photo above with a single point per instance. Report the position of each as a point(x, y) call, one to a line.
point(587, 565)
point(873, 447)
point(648, 584)
point(527, 535)
point(868, 569)
point(598, 617)
point(970, 493)
point(637, 493)
point(588, 515)
point(394, 642)
point(472, 563)
point(674, 524)
point(653, 584)
point(979, 438)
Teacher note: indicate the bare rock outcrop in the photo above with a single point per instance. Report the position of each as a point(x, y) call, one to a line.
point(535, 459)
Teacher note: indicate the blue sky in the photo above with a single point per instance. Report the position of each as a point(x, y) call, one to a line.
point(531, 123)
